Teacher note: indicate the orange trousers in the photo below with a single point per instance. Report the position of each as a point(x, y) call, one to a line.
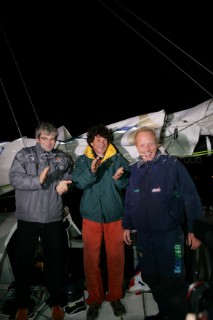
point(93, 234)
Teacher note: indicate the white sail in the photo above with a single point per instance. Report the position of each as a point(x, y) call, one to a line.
point(179, 135)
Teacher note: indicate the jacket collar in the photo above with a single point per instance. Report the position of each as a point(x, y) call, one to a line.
point(45, 154)
point(110, 151)
point(155, 159)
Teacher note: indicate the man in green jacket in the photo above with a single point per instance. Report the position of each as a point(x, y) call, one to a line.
point(102, 173)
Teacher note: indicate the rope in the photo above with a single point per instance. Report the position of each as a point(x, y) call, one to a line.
point(11, 109)
point(153, 46)
point(25, 87)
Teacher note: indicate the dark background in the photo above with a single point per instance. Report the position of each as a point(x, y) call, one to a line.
point(85, 62)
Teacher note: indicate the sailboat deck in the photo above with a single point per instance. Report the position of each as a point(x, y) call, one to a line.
point(135, 308)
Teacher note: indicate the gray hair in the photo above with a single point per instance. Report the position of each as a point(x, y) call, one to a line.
point(46, 127)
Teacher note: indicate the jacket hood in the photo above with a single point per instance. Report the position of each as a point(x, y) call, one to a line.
point(110, 151)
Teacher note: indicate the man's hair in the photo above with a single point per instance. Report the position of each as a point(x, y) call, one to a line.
point(46, 127)
point(99, 130)
point(146, 129)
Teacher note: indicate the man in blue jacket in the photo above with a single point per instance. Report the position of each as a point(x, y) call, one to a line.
point(159, 198)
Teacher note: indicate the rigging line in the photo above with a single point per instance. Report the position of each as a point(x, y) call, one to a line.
point(20, 73)
point(165, 56)
point(165, 38)
point(11, 108)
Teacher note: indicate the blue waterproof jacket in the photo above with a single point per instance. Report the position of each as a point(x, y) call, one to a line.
point(160, 196)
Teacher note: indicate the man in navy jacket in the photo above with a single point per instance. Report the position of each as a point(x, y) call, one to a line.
point(160, 197)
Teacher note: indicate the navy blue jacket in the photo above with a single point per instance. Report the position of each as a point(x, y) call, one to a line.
point(160, 196)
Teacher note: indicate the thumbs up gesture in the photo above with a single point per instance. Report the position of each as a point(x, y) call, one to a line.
point(62, 186)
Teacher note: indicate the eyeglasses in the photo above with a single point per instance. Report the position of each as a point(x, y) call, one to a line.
point(44, 139)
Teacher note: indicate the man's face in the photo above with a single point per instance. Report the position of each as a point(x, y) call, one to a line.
point(47, 141)
point(99, 145)
point(146, 145)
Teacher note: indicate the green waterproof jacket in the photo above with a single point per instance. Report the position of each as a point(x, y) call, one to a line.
point(103, 197)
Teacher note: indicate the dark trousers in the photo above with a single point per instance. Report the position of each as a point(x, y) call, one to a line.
point(27, 236)
point(170, 295)
point(162, 267)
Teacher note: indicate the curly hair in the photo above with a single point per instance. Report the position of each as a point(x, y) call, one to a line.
point(99, 130)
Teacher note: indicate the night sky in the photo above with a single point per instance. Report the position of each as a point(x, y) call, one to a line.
point(80, 63)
